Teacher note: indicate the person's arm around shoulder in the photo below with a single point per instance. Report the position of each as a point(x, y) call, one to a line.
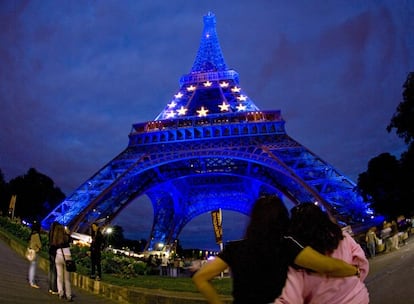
point(313, 260)
point(203, 277)
point(358, 257)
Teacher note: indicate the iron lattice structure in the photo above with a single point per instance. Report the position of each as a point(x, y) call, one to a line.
point(210, 148)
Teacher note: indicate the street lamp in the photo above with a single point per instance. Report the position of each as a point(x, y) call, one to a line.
point(108, 231)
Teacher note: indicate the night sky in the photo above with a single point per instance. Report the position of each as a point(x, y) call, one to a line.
point(75, 76)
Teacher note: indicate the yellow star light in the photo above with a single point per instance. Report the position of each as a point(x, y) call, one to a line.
point(172, 104)
point(178, 95)
point(242, 98)
point(224, 106)
point(191, 88)
point(208, 84)
point(235, 89)
point(170, 114)
point(241, 107)
point(224, 84)
point(202, 112)
point(182, 111)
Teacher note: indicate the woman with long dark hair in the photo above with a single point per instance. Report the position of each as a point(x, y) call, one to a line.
point(259, 262)
point(311, 226)
point(61, 242)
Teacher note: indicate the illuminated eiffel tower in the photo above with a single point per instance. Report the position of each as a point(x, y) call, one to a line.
point(210, 148)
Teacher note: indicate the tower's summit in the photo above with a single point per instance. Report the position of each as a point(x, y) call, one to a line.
point(210, 87)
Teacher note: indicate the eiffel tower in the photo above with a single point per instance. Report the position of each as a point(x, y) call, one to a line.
point(210, 148)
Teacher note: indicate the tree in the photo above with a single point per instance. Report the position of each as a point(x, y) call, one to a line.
point(403, 119)
point(381, 185)
point(116, 236)
point(36, 195)
point(4, 195)
point(403, 122)
point(388, 184)
point(407, 181)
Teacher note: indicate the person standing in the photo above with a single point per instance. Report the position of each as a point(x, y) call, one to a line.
point(176, 267)
point(164, 265)
point(371, 239)
point(312, 226)
point(61, 241)
point(151, 264)
point(52, 275)
point(259, 262)
point(394, 236)
point(35, 244)
point(386, 235)
point(96, 248)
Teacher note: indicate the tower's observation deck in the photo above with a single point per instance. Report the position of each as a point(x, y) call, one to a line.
point(208, 127)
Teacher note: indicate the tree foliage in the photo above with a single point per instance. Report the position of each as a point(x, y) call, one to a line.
point(388, 184)
point(407, 167)
point(381, 185)
point(36, 195)
point(3, 194)
point(115, 237)
point(403, 119)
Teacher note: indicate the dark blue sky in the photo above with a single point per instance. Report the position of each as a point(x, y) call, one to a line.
point(75, 76)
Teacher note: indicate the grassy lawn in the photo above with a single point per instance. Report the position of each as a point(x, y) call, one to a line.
point(184, 284)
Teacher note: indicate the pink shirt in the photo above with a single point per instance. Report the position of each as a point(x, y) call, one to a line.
point(311, 288)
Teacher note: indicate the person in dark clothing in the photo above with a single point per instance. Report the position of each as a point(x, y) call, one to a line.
point(52, 275)
point(259, 262)
point(96, 249)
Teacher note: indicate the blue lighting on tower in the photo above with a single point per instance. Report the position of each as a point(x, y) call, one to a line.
point(211, 147)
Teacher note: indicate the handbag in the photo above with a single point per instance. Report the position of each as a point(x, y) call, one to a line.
point(69, 264)
point(30, 254)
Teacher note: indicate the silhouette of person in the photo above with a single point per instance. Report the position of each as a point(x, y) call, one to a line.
point(96, 249)
point(52, 275)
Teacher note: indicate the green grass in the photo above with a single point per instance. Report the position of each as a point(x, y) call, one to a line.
point(183, 284)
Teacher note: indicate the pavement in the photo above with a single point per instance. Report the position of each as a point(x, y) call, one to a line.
point(389, 280)
point(391, 276)
point(15, 289)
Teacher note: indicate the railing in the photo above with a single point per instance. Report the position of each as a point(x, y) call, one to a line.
point(212, 126)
